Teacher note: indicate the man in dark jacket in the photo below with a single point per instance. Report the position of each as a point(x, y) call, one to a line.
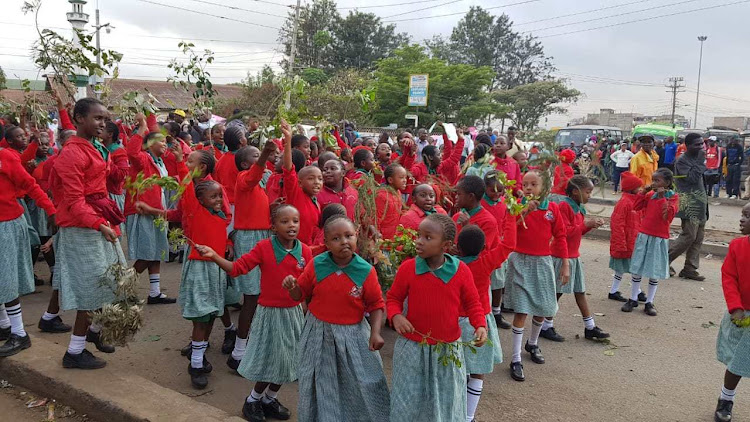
point(735, 157)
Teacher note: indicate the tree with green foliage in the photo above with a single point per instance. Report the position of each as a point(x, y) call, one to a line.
point(2, 79)
point(527, 104)
point(457, 92)
point(314, 39)
point(314, 76)
point(341, 97)
point(360, 40)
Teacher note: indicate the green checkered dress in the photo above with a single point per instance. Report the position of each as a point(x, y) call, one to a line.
point(340, 379)
point(733, 346)
point(203, 286)
point(620, 265)
point(15, 260)
point(119, 200)
point(38, 218)
point(33, 234)
point(530, 287)
point(498, 277)
point(651, 257)
point(244, 242)
point(145, 241)
point(577, 283)
point(423, 389)
point(487, 356)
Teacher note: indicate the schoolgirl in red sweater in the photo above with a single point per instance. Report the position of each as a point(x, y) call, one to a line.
point(506, 164)
point(423, 205)
point(530, 285)
point(563, 173)
point(579, 190)
point(363, 161)
point(340, 288)
point(336, 188)
point(624, 224)
point(15, 262)
point(436, 287)
point(300, 189)
point(388, 201)
point(730, 349)
point(271, 356)
point(120, 166)
point(433, 164)
point(651, 254)
point(469, 193)
point(226, 168)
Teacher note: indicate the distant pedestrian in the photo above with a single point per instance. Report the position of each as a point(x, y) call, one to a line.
point(621, 159)
point(735, 158)
point(712, 176)
point(670, 150)
point(644, 163)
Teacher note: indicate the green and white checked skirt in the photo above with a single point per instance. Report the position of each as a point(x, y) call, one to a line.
point(15, 260)
point(423, 389)
point(82, 257)
point(168, 194)
point(340, 379)
point(271, 354)
point(244, 242)
point(487, 356)
point(33, 234)
point(733, 346)
point(577, 283)
point(202, 288)
point(38, 218)
point(145, 241)
point(232, 295)
point(530, 287)
point(498, 277)
point(119, 200)
point(651, 257)
point(620, 265)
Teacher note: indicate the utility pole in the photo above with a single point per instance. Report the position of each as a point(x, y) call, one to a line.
point(290, 68)
point(98, 45)
point(97, 81)
point(675, 86)
point(698, 92)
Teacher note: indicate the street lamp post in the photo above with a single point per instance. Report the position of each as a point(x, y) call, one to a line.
point(97, 29)
point(701, 38)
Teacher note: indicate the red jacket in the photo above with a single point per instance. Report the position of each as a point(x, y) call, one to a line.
point(542, 226)
point(448, 167)
point(184, 212)
point(653, 222)
point(141, 162)
point(735, 279)
point(79, 171)
point(226, 173)
point(118, 171)
point(575, 228)
point(413, 218)
point(511, 169)
point(14, 179)
point(388, 204)
point(624, 225)
point(347, 197)
point(251, 208)
point(563, 173)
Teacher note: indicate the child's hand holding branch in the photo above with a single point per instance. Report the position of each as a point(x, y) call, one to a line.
point(480, 336)
point(402, 325)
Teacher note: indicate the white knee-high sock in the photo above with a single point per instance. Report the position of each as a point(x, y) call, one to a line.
point(517, 341)
point(727, 394)
point(16, 320)
point(652, 285)
point(154, 285)
point(239, 348)
point(473, 394)
point(616, 280)
point(196, 358)
point(4, 320)
point(547, 324)
point(588, 322)
point(77, 344)
point(536, 328)
point(635, 288)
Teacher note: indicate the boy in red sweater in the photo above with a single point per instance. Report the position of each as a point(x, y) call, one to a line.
point(301, 189)
point(469, 193)
point(731, 345)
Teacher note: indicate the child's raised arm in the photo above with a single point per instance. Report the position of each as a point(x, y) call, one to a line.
point(287, 131)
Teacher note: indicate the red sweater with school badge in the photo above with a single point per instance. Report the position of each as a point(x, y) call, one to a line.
point(574, 218)
point(654, 222)
point(543, 225)
point(251, 207)
point(484, 264)
point(435, 298)
point(484, 219)
point(275, 264)
point(341, 295)
point(735, 279)
point(309, 210)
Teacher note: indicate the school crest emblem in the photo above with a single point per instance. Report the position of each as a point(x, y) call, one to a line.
point(549, 216)
point(301, 263)
point(355, 292)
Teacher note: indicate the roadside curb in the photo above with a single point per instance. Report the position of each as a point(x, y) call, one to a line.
point(714, 249)
point(711, 201)
point(102, 394)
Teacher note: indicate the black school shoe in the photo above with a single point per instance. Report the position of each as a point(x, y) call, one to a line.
point(616, 296)
point(642, 297)
point(4, 333)
point(207, 367)
point(516, 371)
point(692, 276)
point(275, 410)
point(253, 412)
point(551, 334)
point(595, 333)
point(14, 344)
point(723, 411)
point(501, 322)
point(629, 305)
point(535, 352)
point(233, 363)
point(54, 325)
point(96, 338)
point(230, 337)
point(198, 377)
point(649, 309)
point(162, 299)
point(83, 360)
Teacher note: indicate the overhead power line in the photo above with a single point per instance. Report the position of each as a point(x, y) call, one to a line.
point(183, 9)
point(387, 5)
point(582, 13)
point(424, 8)
point(237, 8)
point(457, 13)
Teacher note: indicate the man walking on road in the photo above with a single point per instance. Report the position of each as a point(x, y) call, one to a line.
point(735, 157)
point(689, 169)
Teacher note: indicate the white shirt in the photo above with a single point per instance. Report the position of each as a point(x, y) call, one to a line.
point(622, 158)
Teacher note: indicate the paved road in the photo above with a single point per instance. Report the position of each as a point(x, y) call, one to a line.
point(660, 368)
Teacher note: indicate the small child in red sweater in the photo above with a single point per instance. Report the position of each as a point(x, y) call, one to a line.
point(340, 288)
point(624, 224)
point(732, 347)
point(493, 202)
point(436, 287)
point(300, 189)
point(423, 205)
point(651, 255)
point(271, 356)
point(469, 193)
point(506, 164)
point(388, 201)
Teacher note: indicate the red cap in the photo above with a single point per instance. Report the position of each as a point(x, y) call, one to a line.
point(567, 156)
point(630, 182)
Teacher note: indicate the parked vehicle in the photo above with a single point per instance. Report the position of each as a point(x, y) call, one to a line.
point(580, 134)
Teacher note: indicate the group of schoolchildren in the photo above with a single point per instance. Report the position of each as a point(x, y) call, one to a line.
point(276, 228)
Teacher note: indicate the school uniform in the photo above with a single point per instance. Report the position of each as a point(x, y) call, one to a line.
point(82, 254)
point(423, 389)
point(388, 204)
point(733, 342)
point(413, 218)
point(485, 221)
point(651, 254)
point(15, 259)
point(447, 167)
point(271, 354)
point(36, 214)
point(226, 173)
point(347, 197)
point(624, 225)
point(340, 379)
point(252, 222)
point(512, 170)
point(574, 219)
point(499, 210)
point(118, 171)
point(563, 173)
point(146, 241)
point(275, 187)
point(308, 207)
point(530, 286)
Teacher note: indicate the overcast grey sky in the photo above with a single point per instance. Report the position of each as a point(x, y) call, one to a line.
point(619, 56)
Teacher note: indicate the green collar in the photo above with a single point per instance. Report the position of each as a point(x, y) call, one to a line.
point(219, 213)
point(668, 194)
point(279, 252)
point(222, 147)
point(114, 146)
point(468, 259)
point(157, 160)
point(577, 208)
point(428, 212)
point(490, 201)
point(431, 170)
point(444, 273)
point(357, 269)
point(473, 211)
point(362, 171)
point(101, 148)
point(543, 205)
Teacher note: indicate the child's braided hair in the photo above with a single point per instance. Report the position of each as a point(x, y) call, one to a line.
point(578, 182)
point(203, 186)
point(449, 227)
